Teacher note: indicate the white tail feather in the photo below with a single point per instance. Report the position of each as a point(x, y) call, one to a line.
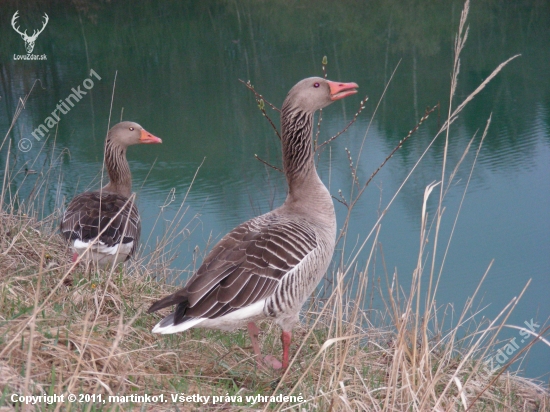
point(176, 328)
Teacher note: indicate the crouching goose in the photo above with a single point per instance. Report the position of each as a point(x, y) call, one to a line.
point(268, 267)
point(110, 210)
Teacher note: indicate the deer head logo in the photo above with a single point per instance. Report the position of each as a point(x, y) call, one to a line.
point(29, 40)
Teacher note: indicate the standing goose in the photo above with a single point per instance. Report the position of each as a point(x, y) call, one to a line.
point(110, 208)
point(268, 267)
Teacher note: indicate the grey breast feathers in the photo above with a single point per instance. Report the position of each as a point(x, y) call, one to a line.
point(243, 268)
point(90, 213)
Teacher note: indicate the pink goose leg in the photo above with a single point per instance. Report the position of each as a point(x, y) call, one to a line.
point(268, 360)
point(285, 339)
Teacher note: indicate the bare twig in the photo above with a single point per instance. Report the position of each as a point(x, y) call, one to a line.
point(324, 62)
point(402, 141)
point(343, 199)
point(258, 95)
point(318, 128)
point(353, 170)
point(361, 107)
point(261, 106)
point(400, 144)
point(340, 201)
point(267, 164)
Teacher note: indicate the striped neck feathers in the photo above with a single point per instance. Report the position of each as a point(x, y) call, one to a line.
point(120, 178)
point(296, 126)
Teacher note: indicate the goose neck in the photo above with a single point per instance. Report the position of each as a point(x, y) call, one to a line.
point(298, 159)
point(120, 178)
point(307, 195)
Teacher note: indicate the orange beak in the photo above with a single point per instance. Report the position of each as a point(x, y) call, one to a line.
point(147, 137)
point(341, 90)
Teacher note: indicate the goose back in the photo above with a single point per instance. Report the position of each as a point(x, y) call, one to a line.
point(245, 267)
point(112, 217)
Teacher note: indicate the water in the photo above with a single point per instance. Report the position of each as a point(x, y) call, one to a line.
point(177, 68)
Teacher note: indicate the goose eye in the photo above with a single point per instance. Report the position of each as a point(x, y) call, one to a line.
point(131, 129)
point(316, 85)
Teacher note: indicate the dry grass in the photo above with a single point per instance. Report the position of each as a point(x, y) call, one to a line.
point(87, 333)
point(67, 329)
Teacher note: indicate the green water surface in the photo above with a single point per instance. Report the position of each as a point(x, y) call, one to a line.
point(175, 69)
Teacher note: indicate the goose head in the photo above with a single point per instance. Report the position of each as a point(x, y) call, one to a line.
point(314, 93)
point(129, 133)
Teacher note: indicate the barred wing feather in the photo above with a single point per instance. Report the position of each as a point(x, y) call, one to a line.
point(243, 268)
point(90, 213)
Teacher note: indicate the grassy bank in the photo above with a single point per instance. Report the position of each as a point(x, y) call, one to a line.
point(86, 333)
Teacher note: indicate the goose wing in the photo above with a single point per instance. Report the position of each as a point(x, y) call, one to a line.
point(243, 268)
point(90, 213)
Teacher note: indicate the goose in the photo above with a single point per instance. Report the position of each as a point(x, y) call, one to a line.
point(111, 209)
point(268, 266)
